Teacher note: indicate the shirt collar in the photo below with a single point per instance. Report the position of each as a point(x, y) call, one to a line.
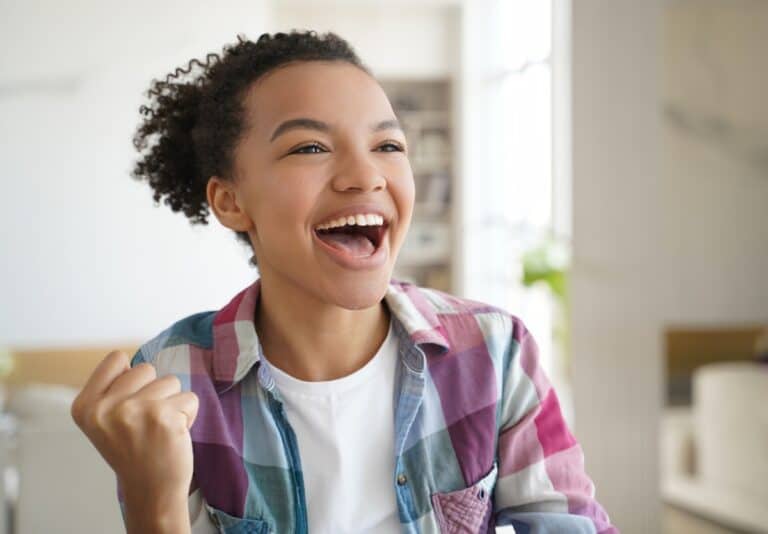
point(236, 347)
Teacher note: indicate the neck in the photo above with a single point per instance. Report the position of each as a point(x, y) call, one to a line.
point(314, 340)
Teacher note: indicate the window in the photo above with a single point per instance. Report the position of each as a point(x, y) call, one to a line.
point(521, 166)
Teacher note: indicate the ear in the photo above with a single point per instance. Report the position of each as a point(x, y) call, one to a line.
point(224, 201)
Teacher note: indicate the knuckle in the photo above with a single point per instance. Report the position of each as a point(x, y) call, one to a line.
point(156, 416)
point(98, 415)
point(124, 413)
point(76, 410)
point(148, 369)
point(174, 380)
point(160, 420)
point(118, 355)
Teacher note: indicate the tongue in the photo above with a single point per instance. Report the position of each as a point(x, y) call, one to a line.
point(352, 244)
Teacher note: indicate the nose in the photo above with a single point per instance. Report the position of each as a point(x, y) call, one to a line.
point(358, 173)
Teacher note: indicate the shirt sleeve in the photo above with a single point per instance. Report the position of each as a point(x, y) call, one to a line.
point(542, 486)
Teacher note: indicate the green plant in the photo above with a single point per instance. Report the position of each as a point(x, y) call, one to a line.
point(547, 263)
point(6, 362)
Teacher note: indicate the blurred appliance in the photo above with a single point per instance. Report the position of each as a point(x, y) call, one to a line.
point(714, 454)
point(55, 479)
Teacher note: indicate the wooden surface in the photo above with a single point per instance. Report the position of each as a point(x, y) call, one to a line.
point(679, 521)
point(690, 348)
point(66, 366)
point(687, 348)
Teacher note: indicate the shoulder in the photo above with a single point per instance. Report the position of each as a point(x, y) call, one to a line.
point(493, 344)
point(192, 331)
point(463, 316)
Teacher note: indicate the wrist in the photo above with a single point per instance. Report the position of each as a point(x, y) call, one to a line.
point(157, 513)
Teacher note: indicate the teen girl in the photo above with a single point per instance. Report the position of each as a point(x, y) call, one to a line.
point(326, 397)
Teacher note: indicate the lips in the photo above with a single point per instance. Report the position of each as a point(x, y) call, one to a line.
point(354, 242)
point(357, 209)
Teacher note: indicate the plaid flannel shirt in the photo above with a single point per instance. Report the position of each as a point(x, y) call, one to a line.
point(479, 436)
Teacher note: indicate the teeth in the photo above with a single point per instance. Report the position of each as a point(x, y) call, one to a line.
point(361, 219)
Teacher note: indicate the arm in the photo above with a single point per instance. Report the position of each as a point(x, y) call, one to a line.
point(542, 486)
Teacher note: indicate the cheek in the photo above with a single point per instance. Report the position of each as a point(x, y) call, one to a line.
point(283, 208)
point(404, 194)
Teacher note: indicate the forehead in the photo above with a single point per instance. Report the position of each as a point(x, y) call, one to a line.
point(335, 92)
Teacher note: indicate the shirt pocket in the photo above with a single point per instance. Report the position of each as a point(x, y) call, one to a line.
point(468, 510)
point(228, 524)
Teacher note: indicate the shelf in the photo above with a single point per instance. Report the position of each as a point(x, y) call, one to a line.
point(425, 112)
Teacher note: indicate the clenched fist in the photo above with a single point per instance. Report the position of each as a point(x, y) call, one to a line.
point(140, 425)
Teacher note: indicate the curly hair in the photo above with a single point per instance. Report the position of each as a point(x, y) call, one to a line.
point(196, 115)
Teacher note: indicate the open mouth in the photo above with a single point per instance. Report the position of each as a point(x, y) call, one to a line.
point(355, 240)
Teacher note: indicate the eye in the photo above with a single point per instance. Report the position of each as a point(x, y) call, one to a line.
point(313, 148)
point(392, 147)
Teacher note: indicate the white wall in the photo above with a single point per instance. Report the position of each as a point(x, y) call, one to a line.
point(397, 39)
point(716, 183)
point(86, 256)
point(669, 222)
point(618, 287)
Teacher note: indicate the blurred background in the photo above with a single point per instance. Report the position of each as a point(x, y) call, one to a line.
point(598, 168)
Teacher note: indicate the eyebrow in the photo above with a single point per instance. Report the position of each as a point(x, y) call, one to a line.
point(313, 124)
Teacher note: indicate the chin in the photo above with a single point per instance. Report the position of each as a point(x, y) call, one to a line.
point(359, 291)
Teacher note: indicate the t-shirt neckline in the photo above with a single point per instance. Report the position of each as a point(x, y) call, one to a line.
point(323, 388)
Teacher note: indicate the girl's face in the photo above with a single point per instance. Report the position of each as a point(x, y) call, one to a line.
point(322, 143)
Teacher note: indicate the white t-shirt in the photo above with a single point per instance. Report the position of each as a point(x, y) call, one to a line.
point(345, 433)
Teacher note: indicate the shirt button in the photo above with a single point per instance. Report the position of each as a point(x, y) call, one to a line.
point(401, 479)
